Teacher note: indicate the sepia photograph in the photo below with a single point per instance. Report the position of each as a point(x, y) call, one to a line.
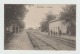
point(40, 27)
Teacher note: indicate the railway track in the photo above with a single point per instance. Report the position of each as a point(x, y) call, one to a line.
point(67, 42)
point(46, 44)
point(70, 43)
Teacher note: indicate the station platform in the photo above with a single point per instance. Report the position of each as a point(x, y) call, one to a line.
point(20, 41)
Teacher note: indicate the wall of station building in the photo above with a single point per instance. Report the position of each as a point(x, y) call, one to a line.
point(56, 26)
point(13, 28)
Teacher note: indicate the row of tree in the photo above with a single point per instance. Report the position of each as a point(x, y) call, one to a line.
point(14, 13)
point(68, 16)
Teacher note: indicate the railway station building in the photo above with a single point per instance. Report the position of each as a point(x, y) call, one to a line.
point(14, 27)
point(56, 27)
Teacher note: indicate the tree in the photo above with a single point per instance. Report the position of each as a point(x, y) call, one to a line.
point(14, 12)
point(45, 24)
point(50, 16)
point(68, 16)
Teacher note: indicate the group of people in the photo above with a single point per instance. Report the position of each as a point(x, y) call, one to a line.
point(58, 32)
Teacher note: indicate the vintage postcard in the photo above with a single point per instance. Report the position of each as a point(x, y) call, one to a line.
point(40, 27)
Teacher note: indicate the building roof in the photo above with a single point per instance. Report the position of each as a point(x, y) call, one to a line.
point(56, 19)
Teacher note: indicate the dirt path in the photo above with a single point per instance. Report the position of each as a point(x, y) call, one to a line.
point(20, 41)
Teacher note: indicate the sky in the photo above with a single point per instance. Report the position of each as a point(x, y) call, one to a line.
point(37, 13)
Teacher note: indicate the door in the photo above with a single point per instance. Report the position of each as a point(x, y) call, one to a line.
point(16, 29)
point(13, 29)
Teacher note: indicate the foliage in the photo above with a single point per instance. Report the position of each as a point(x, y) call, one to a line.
point(68, 16)
point(14, 13)
point(45, 24)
